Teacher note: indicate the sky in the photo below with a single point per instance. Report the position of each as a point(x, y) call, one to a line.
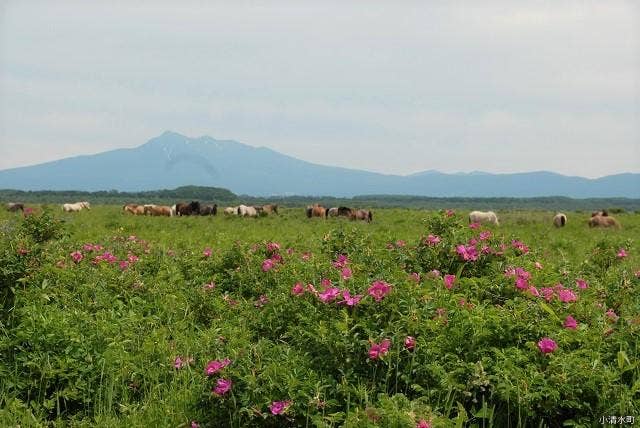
point(391, 87)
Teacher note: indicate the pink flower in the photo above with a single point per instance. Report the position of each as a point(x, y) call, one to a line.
point(279, 407)
point(346, 273)
point(214, 366)
point(522, 284)
point(612, 315)
point(124, 264)
point(449, 213)
point(305, 256)
point(435, 273)
point(400, 243)
point(423, 424)
point(379, 289)
point(474, 225)
point(350, 300)
point(87, 247)
point(273, 247)
point(267, 265)
point(311, 289)
point(410, 343)
point(581, 283)
point(547, 293)
point(262, 300)
point(414, 276)
point(326, 282)
point(379, 350)
point(209, 286)
point(473, 242)
point(567, 296)
point(467, 253)
point(180, 363)
point(621, 253)
point(222, 386)
point(538, 265)
point(207, 252)
point(534, 291)
point(485, 235)
point(341, 261)
point(195, 424)
point(547, 345)
point(329, 294)
point(132, 258)
point(570, 323)
point(433, 240)
point(520, 246)
point(297, 289)
point(449, 280)
point(77, 256)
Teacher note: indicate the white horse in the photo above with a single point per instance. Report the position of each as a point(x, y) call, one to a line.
point(78, 206)
point(246, 211)
point(559, 220)
point(483, 217)
point(231, 211)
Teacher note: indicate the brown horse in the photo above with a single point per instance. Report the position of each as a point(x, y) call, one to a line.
point(192, 208)
point(209, 209)
point(270, 209)
point(134, 209)
point(316, 210)
point(158, 210)
point(603, 221)
point(14, 206)
point(364, 215)
point(602, 213)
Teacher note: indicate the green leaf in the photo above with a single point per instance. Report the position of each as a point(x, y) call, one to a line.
point(550, 311)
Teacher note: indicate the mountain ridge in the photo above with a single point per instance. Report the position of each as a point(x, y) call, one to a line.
point(172, 160)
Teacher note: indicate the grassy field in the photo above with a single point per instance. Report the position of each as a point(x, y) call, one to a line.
point(124, 338)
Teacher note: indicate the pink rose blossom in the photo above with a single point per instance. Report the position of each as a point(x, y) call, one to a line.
point(379, 289)
point(400, 243)
point(581, 283)
point(423, 424)
point(449, 213)
point(433, 240)
point(567, 296)
point(195, 424)
point(209, 286)
point(329, 294)
point(612, 315)
point(207, 252)
point(570, 323)
point(273, 247)
point(484, 235)
point(346, 273)
point(449, 280)
point(547, 345)
point(214, 366)
point(297, 289)
point(326, 282)
point(538, 265)
point(341, 261)
point(124, 265)
point(474, 225)
point(379, 350)
point(77, 256)
point(350, 300)
point(305, 256)
point(279, 407)
point(267, 265)
point(262, 300)
point(621, 253)
point(410, 343)
point(414, 276)
point(547, 293)
point(222, 386)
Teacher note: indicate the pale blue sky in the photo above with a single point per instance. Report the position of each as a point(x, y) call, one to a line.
point(395, 88)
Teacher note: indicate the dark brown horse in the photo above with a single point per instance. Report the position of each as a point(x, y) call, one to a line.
point(364, 215)
point(15, 206)
point(192, 208)
point(209, 209)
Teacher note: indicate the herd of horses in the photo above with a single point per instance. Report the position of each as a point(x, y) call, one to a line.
point(598, 218)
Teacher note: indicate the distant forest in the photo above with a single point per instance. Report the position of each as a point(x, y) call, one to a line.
point(226, 197)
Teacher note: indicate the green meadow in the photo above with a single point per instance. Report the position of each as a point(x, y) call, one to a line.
point(117, 320)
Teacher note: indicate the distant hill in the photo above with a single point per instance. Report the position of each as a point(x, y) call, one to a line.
point(173, 160)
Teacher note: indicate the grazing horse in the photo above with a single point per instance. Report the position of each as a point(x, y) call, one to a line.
point(339, 212)
point(76, 207)
point(483, 217)
point(316, 210)
point(231, 211)
point(209, 209)
point(364, 215)
point(602, 213)
point(603, 221)
point(247, 211)
point(158, 210)
point(15, 206)
point(270, 209)
point(559, 220)
point(134, 209)
point(192, 208)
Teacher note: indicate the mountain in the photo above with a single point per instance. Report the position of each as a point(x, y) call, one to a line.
point(172, 160)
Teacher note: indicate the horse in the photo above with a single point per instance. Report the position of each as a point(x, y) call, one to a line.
point(483, 217)
point(15, 206)
point(209, 209)
point(603, 221)
point(134, 209)
point(602, 213)
point(316, 211)
point(158, 210)
point(339, 212)
point(364, 215)
point(270, 209)
point(559, 220)
point(231, 211)
point(192, 208)
point(76, 207)
point(247, 211)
